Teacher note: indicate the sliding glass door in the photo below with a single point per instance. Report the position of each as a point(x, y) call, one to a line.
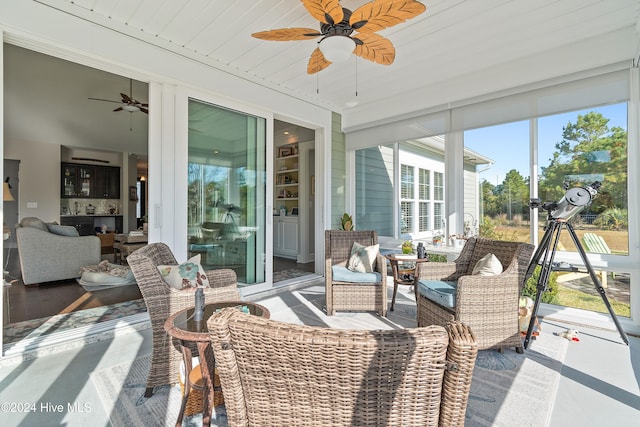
point(227, 190)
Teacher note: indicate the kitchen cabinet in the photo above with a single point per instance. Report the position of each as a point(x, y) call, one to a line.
point(89, 181)
point(107, 182)
point(285, 236)
point(86, 224)
point(77, 180)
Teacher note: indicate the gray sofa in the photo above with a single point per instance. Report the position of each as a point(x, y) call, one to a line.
point(49, 251)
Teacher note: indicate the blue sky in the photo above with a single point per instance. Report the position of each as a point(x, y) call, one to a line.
point(508, 145)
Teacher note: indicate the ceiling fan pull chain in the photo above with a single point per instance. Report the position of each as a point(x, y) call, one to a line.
point(356, 76)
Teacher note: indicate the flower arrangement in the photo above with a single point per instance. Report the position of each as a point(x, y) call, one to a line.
point(407, 247)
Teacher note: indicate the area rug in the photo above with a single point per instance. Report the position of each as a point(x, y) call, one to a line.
point(508, 389)
point(511, 389)
point(279, 276)
point(14, 332)
point(122, 388)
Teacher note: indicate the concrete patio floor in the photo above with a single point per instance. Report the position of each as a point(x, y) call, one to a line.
point(599, 383)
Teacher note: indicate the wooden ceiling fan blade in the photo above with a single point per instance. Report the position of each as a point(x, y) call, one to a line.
point(380, 14)
point(325, 10)
point(126, 98)
point(287, 34)
point(118, 109)
point(317, 62)
point(375, 48)
point(144, 110)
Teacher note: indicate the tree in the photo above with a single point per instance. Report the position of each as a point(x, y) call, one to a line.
point(513, 194)
point(589, 150)
point(489, 199)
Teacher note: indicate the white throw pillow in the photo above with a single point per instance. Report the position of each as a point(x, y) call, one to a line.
point(363, 258)
point(488, 265)
point(189, 274)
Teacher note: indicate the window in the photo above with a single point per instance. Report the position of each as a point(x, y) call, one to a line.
point(575, 149)
point(438, 197)
point(226, 191)
point(406, 182)
point(417, 202)
point(421, 165)
point(424, 190)
point(501, 183)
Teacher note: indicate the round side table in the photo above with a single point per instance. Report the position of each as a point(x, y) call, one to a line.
point(182, 326)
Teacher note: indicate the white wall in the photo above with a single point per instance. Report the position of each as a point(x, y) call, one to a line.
point(39, 178)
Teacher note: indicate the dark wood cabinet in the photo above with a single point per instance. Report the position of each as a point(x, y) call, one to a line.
point(83, 224)
point(107, 182)
point(86, 224)
point(88, 181)
point(77, 180)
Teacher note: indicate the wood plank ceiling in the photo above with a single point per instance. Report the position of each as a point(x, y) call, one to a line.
point(453, 41)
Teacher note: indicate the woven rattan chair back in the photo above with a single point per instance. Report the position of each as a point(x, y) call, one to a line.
point(488, 304)
point(347, 296)
point(162, 301)
point(275, 373)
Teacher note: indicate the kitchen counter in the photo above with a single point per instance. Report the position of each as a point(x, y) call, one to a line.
point(87, 224)
point(92, 215)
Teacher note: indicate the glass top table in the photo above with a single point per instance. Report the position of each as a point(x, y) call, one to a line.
point(188, 331)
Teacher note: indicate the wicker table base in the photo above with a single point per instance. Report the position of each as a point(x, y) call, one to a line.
point(194, 400)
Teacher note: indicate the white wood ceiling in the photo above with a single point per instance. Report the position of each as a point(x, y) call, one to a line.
point(452, 40)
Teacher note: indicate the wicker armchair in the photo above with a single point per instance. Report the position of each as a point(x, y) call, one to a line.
point(488, 304)
point(275, 373)
point(162, 301)
point(367, 296)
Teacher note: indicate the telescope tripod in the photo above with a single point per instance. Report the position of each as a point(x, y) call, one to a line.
point(544, 256)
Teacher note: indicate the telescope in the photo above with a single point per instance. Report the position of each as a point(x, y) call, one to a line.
point(573, 202)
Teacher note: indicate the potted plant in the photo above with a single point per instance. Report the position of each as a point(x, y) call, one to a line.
point(346, 222)
point(407, 247)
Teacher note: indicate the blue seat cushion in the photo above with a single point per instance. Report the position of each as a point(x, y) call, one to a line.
point(343, 274)
point(439, 291)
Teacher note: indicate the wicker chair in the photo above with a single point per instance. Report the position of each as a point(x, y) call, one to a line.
point(488, 304)
point(370, 296)
point(162, 301)
point(275, 373)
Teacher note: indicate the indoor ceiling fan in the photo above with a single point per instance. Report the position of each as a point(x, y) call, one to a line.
point(337, 27)
point(128, 103)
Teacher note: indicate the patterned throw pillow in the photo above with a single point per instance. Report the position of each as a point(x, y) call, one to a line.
point(189, 274)
point(363, 258)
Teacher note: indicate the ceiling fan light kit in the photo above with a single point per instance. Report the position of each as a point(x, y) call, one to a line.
point(337, 48)
point(337, 27)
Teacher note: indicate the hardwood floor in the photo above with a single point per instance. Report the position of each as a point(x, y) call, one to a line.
point(22, 302)
point(281, 264)
point(47, 299)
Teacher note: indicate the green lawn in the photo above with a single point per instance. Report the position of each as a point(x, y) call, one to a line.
point(571, 298)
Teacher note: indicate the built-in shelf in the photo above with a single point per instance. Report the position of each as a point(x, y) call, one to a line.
point(286, 178)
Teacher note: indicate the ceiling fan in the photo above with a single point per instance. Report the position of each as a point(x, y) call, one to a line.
point(128, 102)
point(337, 24)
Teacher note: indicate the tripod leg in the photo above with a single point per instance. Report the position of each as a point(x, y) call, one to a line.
point(545, 248)
point(596, 282)
point(537, 256)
